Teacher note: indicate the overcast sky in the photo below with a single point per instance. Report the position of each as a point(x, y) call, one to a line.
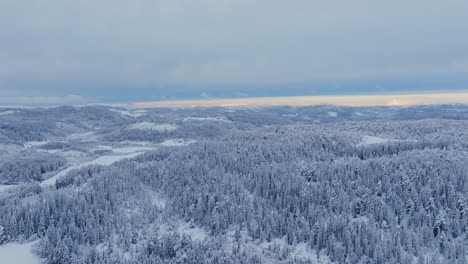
point(60, 51)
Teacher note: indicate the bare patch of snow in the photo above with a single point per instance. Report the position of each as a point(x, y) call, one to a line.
point(194, 232)
point(303, 252)
point(8, 112)
point(15, 253)
point(361, 219)
point(139, 143)
point(100, 147)
point(153, 126)
point(135, 113)
point(367, 140)
point(176, 142)
point(271, 251)
point(157, 199)
point(32, 144)
point(332, 114)
point(5, 188)
point(110, 159)
point(132, 149)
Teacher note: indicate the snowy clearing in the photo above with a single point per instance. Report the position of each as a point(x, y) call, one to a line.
point(135, 113)
point(299, 251)
point(32, 144)
point(157, 199)
point(8, 112)
point(15, 253)
point(153, 126)
point(132, 149)
point(176, 142)
point(194, 232)
point(5, 188)
point(109, 160)
point(269, 251)
point(367, 140)
point(332, 114)
point(100, 147)
point(103, 160)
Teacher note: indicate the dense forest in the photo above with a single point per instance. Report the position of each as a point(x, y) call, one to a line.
point(319, 184)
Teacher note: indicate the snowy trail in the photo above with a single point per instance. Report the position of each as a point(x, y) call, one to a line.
point(15, 253)
point(120, 153)
point(103, 160)
point(8, 112)
point(4, 188)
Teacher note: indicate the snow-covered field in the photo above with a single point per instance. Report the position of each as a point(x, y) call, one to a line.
point(8, 112)
point(105, 160)
point(126, 150)
point(129, 112)
point(269, 251)
point(4, 188)
point(133, 149)
point(176, 142)
point(32, 144)
point(182, 227)
point(367, 140)
point(153, 126)
point(15, 253)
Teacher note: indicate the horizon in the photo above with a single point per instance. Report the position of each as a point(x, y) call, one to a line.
point(352, 100)
point(407, 99)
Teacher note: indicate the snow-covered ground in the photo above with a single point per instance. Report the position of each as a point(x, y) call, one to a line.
point(8, 112)
point(110, 159)
point(133, 149)
point(126, 150)
point(194, 232)
point(4, 188)
point(15, 253)
point(105, 160)
point(182, 227)
point(157, 199)
point(268, 251)
point(129, 112)
point(332, 114)
point(32, 144)
point(176, 142)
point(367, 140)
point(153, 126)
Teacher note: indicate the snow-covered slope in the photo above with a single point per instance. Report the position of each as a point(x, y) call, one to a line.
point(16, 253)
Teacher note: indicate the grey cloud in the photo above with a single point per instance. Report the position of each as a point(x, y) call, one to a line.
point(231, 41)
point(42, 100)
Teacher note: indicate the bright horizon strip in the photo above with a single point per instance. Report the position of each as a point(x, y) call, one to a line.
point(345, 100)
